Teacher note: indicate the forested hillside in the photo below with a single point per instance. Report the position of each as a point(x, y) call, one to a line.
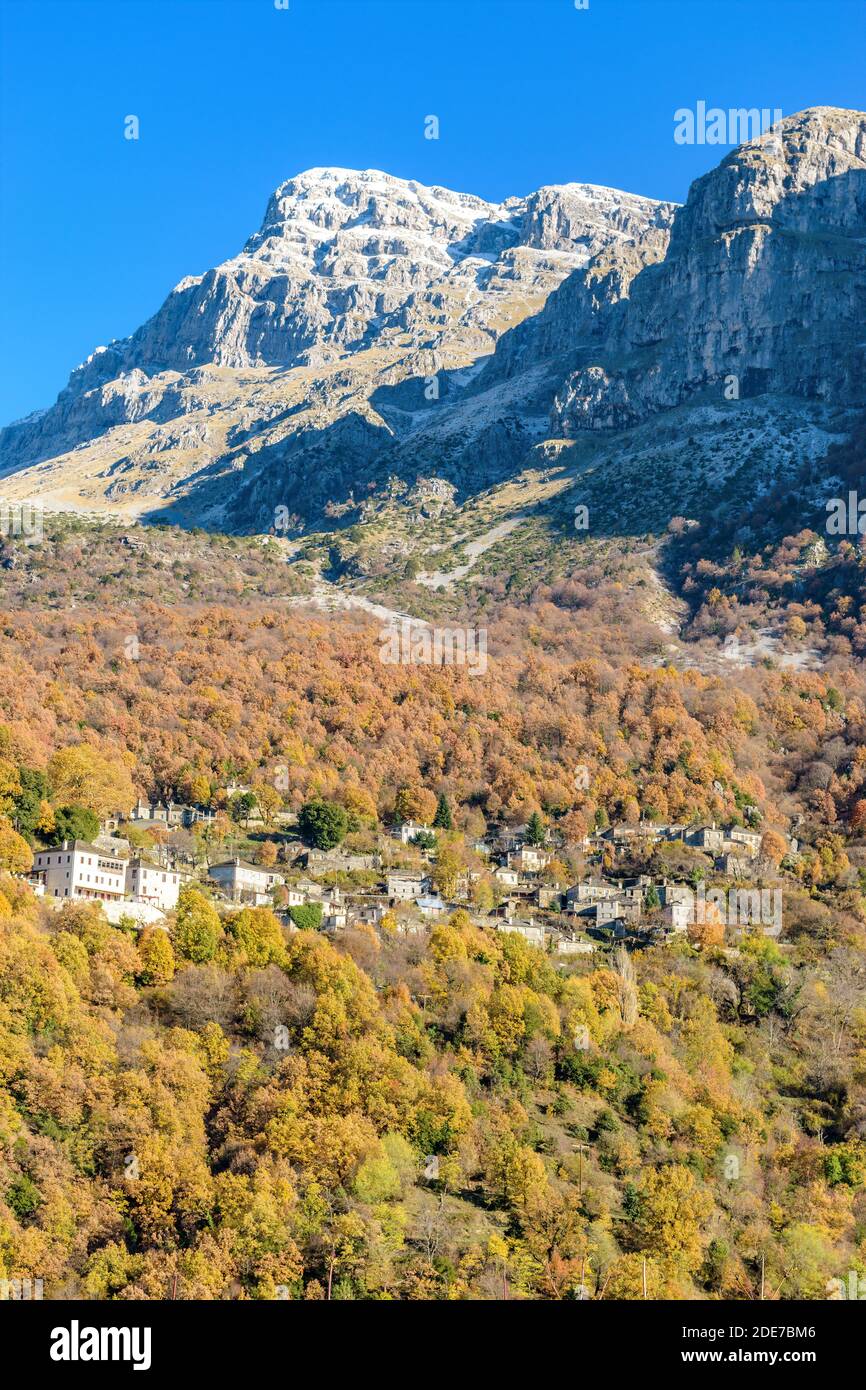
point(157, 1144)
point(233, 1110)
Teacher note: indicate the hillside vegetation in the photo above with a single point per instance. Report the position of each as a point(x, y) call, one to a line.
point(230, 1109)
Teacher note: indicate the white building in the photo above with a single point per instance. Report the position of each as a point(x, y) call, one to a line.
point(408, 830)
point(430, 906)
point(406, 886)
point(171, 814)
point(607, 910)
point(79, 870)
point(244, 882)
point(566, 946)
point(707, 837)
point(588, 891)
point(678, 915)
point(332, 900)
point(529, 859)
point(675, 893)
point(151, 884)
point(531, 933)
point(369, 914)
point(748, 840)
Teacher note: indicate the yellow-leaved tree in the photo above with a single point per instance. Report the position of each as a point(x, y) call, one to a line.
point(15, 854)
point(82, 776)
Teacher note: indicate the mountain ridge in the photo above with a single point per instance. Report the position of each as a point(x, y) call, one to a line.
point(760, 232)
point(375, 327)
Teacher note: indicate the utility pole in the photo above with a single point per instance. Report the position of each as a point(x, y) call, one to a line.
point(762, 1276)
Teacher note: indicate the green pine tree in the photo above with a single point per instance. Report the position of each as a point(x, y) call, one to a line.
point(442, 819)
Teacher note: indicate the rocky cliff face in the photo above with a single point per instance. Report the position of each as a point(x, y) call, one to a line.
point(345, 264)
point(374, 327)
point(764, 280)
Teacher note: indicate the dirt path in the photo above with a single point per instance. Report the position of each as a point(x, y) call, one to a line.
point(446, 579)
point(329, 598)
point(662, 606)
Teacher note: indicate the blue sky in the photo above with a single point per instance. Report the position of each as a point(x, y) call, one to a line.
point(233, 96)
